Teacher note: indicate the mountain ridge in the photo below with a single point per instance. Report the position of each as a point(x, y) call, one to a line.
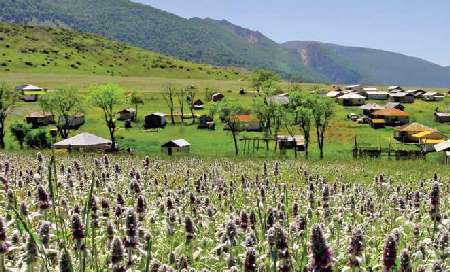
point(220, 42)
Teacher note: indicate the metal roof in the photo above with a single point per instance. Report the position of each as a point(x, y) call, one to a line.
point(83, 140)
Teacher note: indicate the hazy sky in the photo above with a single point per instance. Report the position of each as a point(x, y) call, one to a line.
point(418, 28)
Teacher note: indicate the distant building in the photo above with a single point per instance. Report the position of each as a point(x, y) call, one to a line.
point(206, 122)
point(84, 141)
point(392, 117)
point(75, 121)
point(39, 119)
point(127, 114)
point(405, 133)
point(176, 146)
point(377, 95)
point(278, 100)
point(432, 96)
point(217, 97)
point(355, 87)
point(442, 117)
point(368, 109)
point(395, 105)
point(30, 93)
point(296, 142)
point(155, 120)
point(198, 104)
point(401, 97)
point(394, 88)
point(351, 99)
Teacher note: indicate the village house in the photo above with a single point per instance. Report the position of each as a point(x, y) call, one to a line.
point(392, 117)
point(433, 96)
point(176, 146)
point(39, 119)
point(155, 120)
point(377, 95)
point(368, 109)
point(442, 117)
point(75, 121)
point(84, 141)
point(395, 105)
point(246, 123)
point(427, 139)
point(29, 93)
point(334, 94)
point(394, 88)
point(206, 122)
point(401, 97)
point(296, 142)
point(217, 97)
point(127, 114)
point(405, 133)
point(351, 99)
point(198, 104)
point(354, 88)
point(445, 148)
point(278, 100)
point(416, 93)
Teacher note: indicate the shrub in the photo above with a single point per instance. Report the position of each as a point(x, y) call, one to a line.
point(38, 138)
point(20, 131)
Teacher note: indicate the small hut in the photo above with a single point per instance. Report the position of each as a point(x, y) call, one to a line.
point(351, 99)
point(445, 148)
point(296, 142)
point(377, 95)
point(377, 123)
point(433, 96)
point(84, 141)
point(175, 146)
point(217, 97)
point(392, 117)
point(395, 105)
point(155, 120)
point(442, 117)
point(427, 139)
point(198, 104)
point(368, 109)
point(29, 93)
point(401, 97)
point(405, 133)
point(206, 122)
point(75, 121)
point(249, 123)
point(127, 114)
point(39, 119)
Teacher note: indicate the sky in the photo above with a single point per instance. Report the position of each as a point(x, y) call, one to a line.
point(419, 28)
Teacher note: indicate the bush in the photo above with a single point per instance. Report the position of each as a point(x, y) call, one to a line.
point(38, 138)
point(20, 131)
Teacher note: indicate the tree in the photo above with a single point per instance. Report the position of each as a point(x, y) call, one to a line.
point(190, 97)
point(304, 116)
point(169, 97)
point(63, 104)
point(322, 110)
point(136, 99)
point(8, 98)
point(20, 130)
point(230, 115)
point(263, 80)
point(106, 97)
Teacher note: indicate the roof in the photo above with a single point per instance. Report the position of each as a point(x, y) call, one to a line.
point(394, 87)
point(127, 110)
point(391, 112)
point(371, 106)
point(400, 94)
point(299, 139)
point(177, 143)
point(245, 118)
point(353, 86)
point(414, 127)
point(443, 146)
point(83, 140)
point(378, 121)
point(428, 133)
point(442, 114)
point(391, 105)
point(377, 92)
point(333, 93)
point(28, 87)
point(351, 96)
point(432, 141)
point(38, 114)
point(278, 99)
point(370, 89)
point(432, 94)
point(158, 114)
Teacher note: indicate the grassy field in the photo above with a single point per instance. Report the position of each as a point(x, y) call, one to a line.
point(339, 139)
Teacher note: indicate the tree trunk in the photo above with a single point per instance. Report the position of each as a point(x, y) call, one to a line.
point(321, 143)
point(171, 116)
point(2, 134)
point(233, 131)
point(136, 116)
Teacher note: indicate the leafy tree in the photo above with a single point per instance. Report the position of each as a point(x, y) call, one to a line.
point(263, 80)
point(136, 99)
point(62, 104)
point(20, 130)
point(322, 110)
point(106, 97)
point(38, 138)
point(169, 97)
point(8, 98)
point(230, 115)
point(304, 120)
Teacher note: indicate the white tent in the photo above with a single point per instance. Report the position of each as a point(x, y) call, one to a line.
point(84, 141)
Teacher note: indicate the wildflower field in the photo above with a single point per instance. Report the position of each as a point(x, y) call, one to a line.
point(125, 213)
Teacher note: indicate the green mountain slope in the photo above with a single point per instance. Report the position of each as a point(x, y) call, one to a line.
point(345, 64)
point(198, 40)
point(40, 49)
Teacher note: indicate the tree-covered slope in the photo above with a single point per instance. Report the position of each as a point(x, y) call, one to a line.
point(49, 50)
point(345, 64)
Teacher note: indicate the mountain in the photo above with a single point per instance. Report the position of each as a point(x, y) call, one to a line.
point(225, 44)
point(344, 64)
point(49, 50)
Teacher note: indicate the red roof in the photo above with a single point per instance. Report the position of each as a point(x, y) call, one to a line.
point(390, 112)
point(245, 118)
